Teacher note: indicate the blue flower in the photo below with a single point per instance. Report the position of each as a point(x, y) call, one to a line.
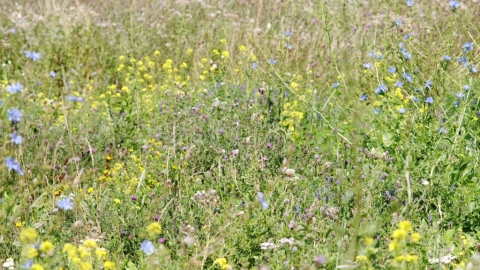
point(335, 85)
point(456, 103)
point(407, 36)
point(262, 200)
point(460, 95)
point(406, 54)
point(398, 22)
point(16, 138)
point(447, 58)
point(408, 77)
point(14, 115)
point(428, 84)
point(147, 247)
point(414, 99)
point(65, 203)
point(74, 98)
point(454, 4)
point(402, 110)
point(363, 97)
point(442, 131)
point(462, 60)
point(377, 111)
point(272, 61)
point(12, 164)
point(367, 65)
point(409, 3)
point(399, 84)
point(14, 88)
point(35, 56)
point(392, 70)
point(287, 33)
point(466, 87)
point(288, 46)
point(429, 100)
point(381, 89)
point(28, 264)
point(53, 74)
point(1, 102)
point(254, 65)
point(468, 46)
point(473, 69)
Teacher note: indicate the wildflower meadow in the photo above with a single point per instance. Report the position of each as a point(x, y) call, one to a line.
point(235, 134)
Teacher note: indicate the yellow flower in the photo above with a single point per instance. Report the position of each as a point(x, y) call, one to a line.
point(223, 41)
point(36, 266)
point(46, 246)
point(101, 253)
point(222, 262)
point(121, 57)
point(154, 228)
point(108, 265)
point(242, 48)
point(86, 266)
point(369, 241)
point(405, 225)
point(90, 243)
point(416, 237)
point(28, 235)
point(156, 53)
point(189, 51)
point(394, 245)
point(411, 258)
point(399, 234)
point(361, 258)
point(117, 201)
point(30, 252)
point(226, 54)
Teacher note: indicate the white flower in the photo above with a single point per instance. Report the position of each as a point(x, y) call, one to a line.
point(286, 241)
point(268, 245)
point(9, 264)
point(445, 259)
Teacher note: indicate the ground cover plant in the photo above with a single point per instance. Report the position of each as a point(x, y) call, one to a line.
point(189, 134)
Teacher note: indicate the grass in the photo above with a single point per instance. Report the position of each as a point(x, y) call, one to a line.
point(239, 135)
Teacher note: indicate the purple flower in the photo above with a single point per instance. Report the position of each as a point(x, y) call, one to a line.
point(14, 88)
point(12, 164)
point(65, 203)
point(14, 115)
point(147, 247)
point(134, 198)
point(161, 240)
point(15, 138)
point(320, 260)
point(269, 145)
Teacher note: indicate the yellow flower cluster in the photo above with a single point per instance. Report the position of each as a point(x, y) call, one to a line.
point(400, 237)
point(31, 250)
point(81, 256)
point(222, 263)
